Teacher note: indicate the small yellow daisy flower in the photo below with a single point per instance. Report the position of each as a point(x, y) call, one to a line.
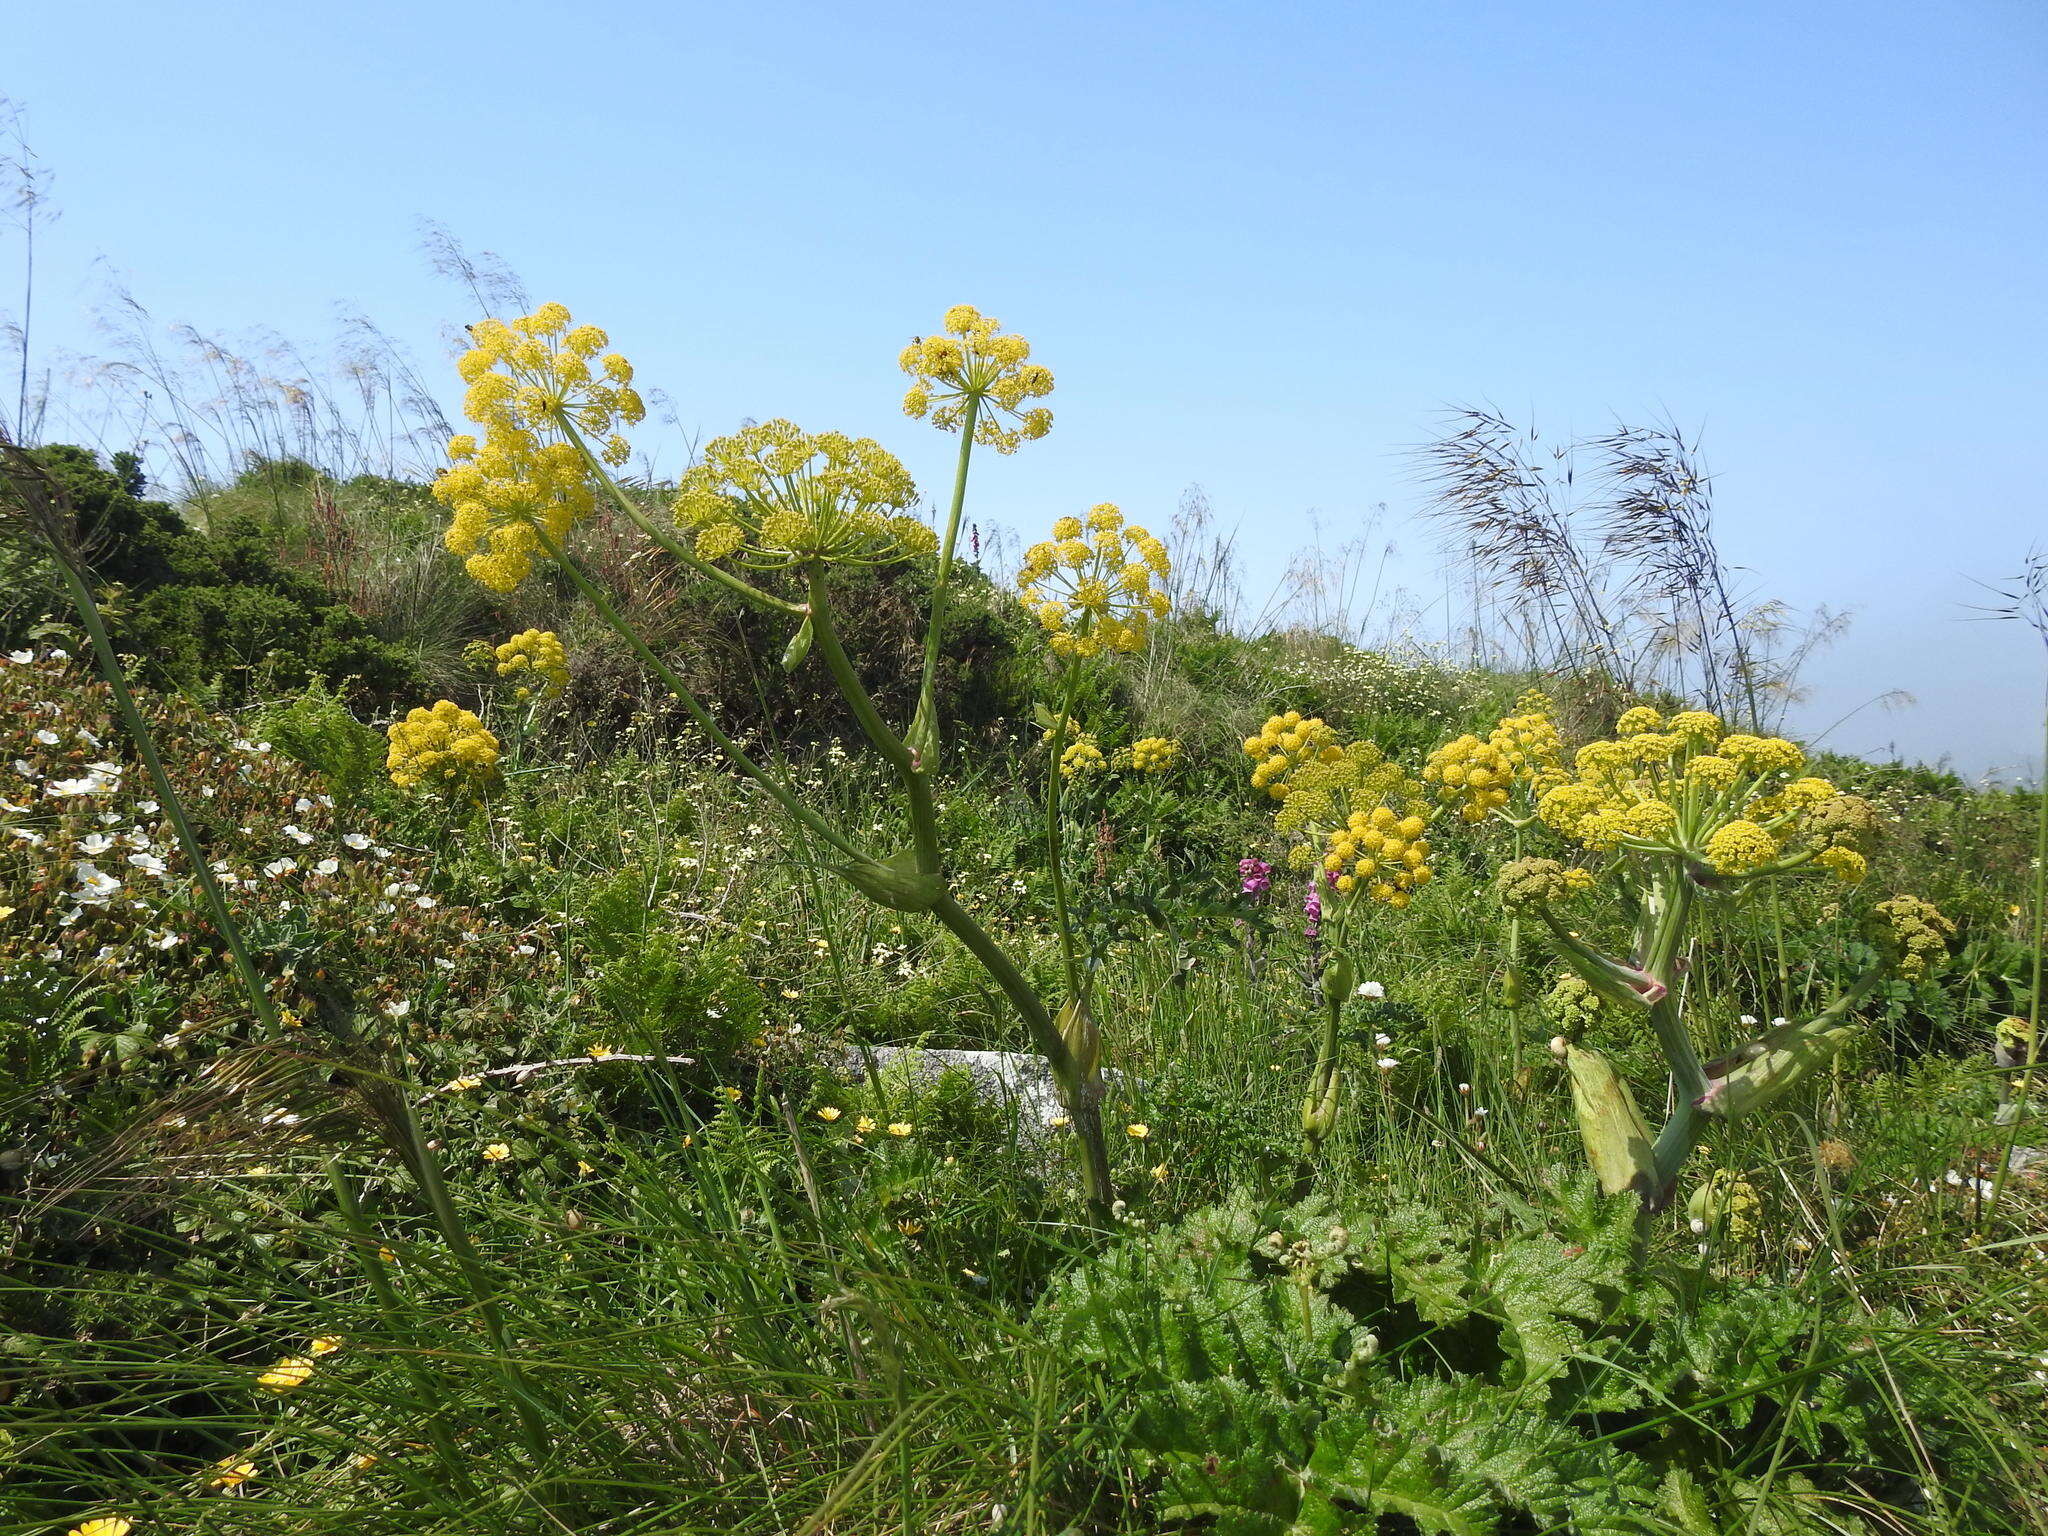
point(1138, 1131)
point(828, 1114)
point(497, 1152)
point(231, 1472)
point(899, 1128)
point(289, 1374)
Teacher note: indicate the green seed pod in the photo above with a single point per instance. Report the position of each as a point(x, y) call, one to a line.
point(1083, 1039)
point(799, 646)
point(1340, 977)
point(1618, 1143)
point(895, 883)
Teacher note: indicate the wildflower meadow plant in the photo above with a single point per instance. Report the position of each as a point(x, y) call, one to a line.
point(1356, 825)
point(1678, 817)
point(772, 513)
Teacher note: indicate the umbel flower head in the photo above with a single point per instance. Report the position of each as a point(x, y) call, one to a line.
point(535, 386)
point(1283, 744)
point(773, 495)
point(537, 653)
point(974, 363)
point(1733, 806)
point(1093, 584)
point(1479, 777)
point(445, 745)
point(1352, 810)
point(1153, 754)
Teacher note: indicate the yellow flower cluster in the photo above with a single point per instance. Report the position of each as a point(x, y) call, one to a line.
point(1283, 744)
point(1092, 585)
point(974, 364)
point(1154, 754)
point(1361, 811)
point(535, 393)
point(774, 495)
point(1915, 933)
point(1380, 853)
point(1083, 756)
point(444, 745)
point(1478, 776)
point(538, 652)
point(1730, 802)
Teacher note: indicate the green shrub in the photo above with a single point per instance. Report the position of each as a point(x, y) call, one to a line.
point(211, 610)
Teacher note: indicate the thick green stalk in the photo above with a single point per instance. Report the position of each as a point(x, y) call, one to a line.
point(1078, 1095)
point(732, 749)
point(927, 688)
point(1325, 1084)
point(1055, 834)
point(145, 747)
point(917, 787)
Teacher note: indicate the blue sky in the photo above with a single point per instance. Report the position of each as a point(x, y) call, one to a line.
point(1261, 246)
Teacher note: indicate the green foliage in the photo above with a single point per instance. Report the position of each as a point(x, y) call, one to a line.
point(212, 610)
point(1304, 1368)
point(317, 729)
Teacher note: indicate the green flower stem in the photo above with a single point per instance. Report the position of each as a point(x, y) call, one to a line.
point(145, 747)
point(1670, 909)
point(732, 749)
point(1080, 1098)
point(927, 688)
point(1325, 1084)
point(667, 541)
point(917, 787)
point(1055, 841)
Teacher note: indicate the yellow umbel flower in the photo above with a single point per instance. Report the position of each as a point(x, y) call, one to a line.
point(1364, 814)
point(1084, 756)
point(1478, 777)
point(1154, 754)
point(445, 745)
point(1741, 848)
point(1682, 787)
point(773, 495)
point(539, 652)
point(1914, 932)
point(973, 362)
point(534, 393)
point(1283, 744)
point(1094, 587)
